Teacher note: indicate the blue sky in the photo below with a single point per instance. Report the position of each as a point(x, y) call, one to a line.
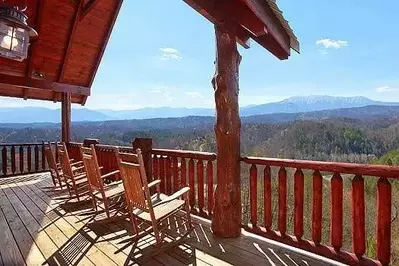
point(161, 53)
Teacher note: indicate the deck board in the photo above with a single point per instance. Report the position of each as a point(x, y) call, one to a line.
point(38, 227)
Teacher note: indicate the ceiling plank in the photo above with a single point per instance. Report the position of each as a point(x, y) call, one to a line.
point(24, 82)
point(32, 49)
point(108, 35)
point(71, 35)
point(87, 8)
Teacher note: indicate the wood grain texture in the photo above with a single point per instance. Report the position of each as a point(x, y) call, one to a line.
point(226, 220)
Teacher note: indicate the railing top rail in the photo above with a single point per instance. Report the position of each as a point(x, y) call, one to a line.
point(334, 167)
point(184, 153)
point(23, 144)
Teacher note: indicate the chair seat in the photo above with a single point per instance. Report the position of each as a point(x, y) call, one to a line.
point(79, 181)
point(111, 190)
point(161, 210)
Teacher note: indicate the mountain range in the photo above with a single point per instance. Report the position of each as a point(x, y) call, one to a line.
point(293, 105)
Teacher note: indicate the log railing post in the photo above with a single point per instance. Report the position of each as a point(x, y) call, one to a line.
point(358, 216)
point(209, 175)
point(298, 203)
point(336, 211)
point(317, 207)
point(145, 145)
point(226, 220)
point(4, 159)
point(253, 194)
point(267, 198)
point(282, 200)
point(384, 209)
point(13, 166)
point(21, 159)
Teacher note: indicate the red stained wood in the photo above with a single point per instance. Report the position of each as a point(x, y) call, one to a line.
point(196, 155)
point(226, 220)
point(267, 197)
point(66, 117)
point(176, 181)
point(29, 158)
point(200, 185)
point(36, 158)
point(253, 194)
point(13, 166)
point(209, 175)
point(298, 203)
point(336, 211)
point(4, 159)
point(336, 167)
point(145, 145)
point(155, 167)
point(384, 209)
point(183, 173)
point(43, 157)
point(191, 183)
point(317, 207)
point(168, 175)
point(21, 159)
point(358, 216)
point(282, 201)
point(162, 173)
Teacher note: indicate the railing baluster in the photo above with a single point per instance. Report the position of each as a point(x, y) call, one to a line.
point(336, 211)
point(267, 198)
point(358, 216)
point(155, 167)
point(175, 174)
point(43, 157)
point(253, 194)
point(168, 169)
point(21, 159)
point(13, 166)
point(317, 208)
point(282, 201)
point(191, 183)
point(36, 158)
point(183, 175)
point(4, 160)
point(29, 158)
point(384, 205)
point(209, 175)
point(200, 185)
point(162, 173)
point(298, 203)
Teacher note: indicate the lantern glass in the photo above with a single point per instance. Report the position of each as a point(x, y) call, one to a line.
point(14, 42)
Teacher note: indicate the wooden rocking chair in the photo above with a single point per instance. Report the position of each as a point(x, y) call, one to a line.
point(146, 208)
point(100, 193)
point(74, 176)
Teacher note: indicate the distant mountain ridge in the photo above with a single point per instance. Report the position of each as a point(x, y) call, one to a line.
point(293, 105)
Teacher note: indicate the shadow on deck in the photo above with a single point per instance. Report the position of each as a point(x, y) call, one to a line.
point(38, 228)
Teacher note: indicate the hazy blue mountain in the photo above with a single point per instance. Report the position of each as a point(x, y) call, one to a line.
point(311, 103)
point(293, 105)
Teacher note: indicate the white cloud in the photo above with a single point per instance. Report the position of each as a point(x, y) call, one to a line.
point(329, 43)
point(386, 89)
point(194, 94)
point(165, 94)
point(170, 54)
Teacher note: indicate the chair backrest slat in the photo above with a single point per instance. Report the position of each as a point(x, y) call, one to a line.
point(92, 168)
point(48, 152)
point(64, 161)
point(133, 184)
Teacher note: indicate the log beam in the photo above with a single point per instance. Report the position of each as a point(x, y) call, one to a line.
point(87, 8)
point(66, 117)
point(226, 221)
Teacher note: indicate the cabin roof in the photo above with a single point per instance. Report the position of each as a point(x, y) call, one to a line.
point(73, 35)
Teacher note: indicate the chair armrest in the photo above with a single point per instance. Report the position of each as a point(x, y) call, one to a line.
point(110, 174)
point(154, 183)
point(175, 195)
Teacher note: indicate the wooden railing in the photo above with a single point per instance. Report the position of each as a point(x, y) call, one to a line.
point(176, 168)
point(284, 174)
point(17, 158)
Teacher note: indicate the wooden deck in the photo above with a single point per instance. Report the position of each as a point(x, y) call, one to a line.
point(38, 228)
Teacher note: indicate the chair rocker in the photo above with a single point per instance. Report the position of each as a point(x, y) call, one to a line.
point(109, 194)
point(152, 210)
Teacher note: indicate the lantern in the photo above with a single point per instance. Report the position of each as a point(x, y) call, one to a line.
point(15, 33)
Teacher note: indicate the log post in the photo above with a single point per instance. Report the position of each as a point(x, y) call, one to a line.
point(145, 145)
point(226, 221)
point(66, 117)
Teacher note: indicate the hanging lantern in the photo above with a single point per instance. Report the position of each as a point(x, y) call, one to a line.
point(15, 33)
